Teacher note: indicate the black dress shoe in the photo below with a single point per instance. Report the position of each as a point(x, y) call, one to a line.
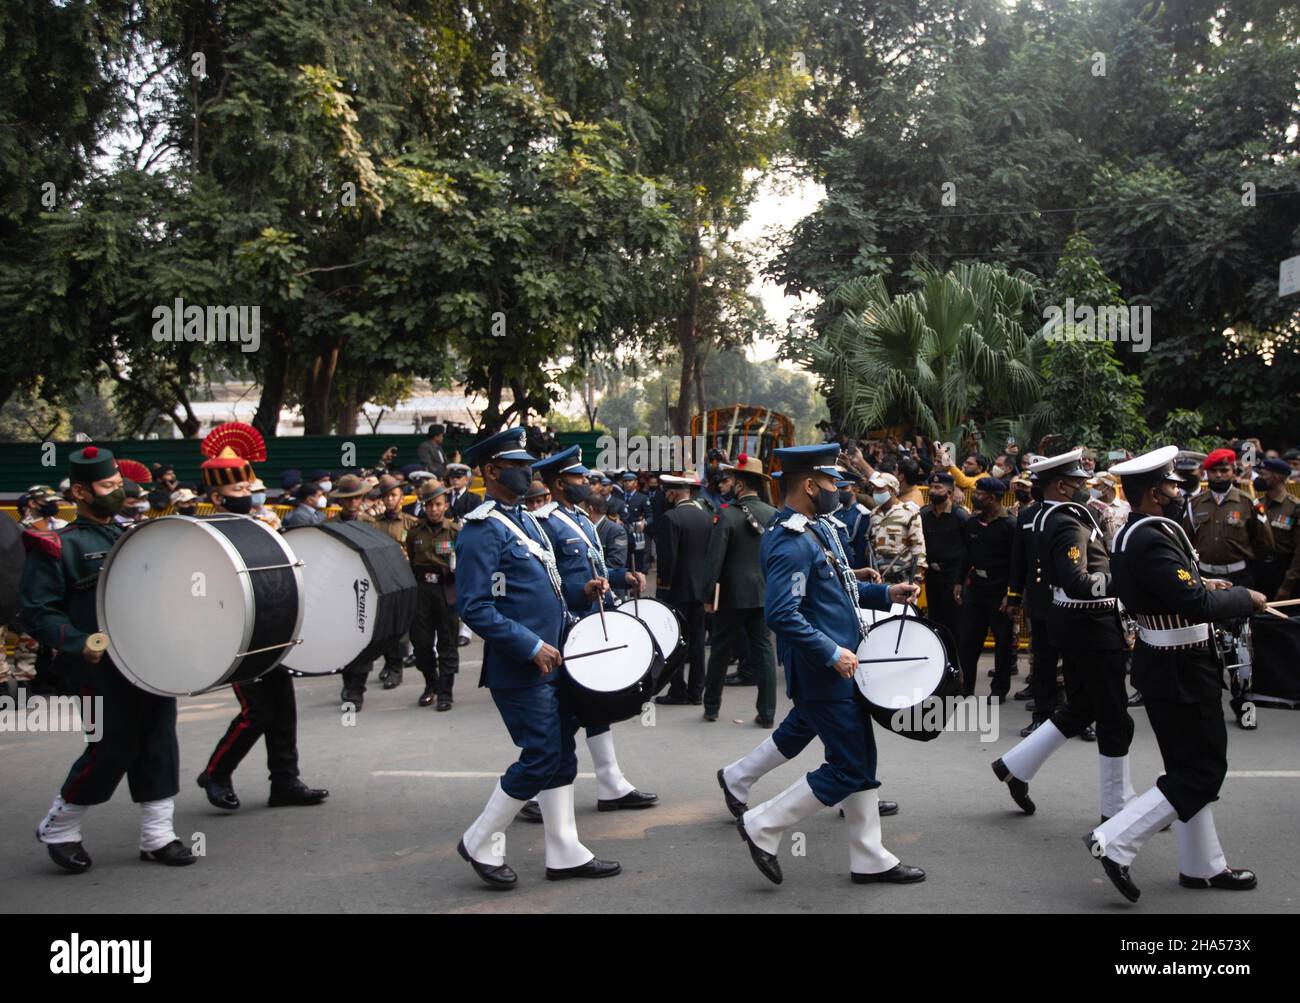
point(498, 878)
point(1135, 700)
point(384, 673)
point(297, 793)
point(1234, 879)
point(764, 722)
point(736, 806)
point(632, 799)
point(1029, 729)
point(899, 874)
point(669, 700)
point(766, 862)
point(174, 854)
point(444, 703)
point(1089, 734)
point(736, 679)
point(1118, 873)
point(1019, 789)
point(461, 642)
point(409, 661)
point(70, 856)
point(1031, 706)
point(593, 868)
point(531, 812)
point(710, 715)
point(427, 697)
point(1024, 694)
point(888, 808)
point(220, 795)
point(393, 680)
point(352, 700)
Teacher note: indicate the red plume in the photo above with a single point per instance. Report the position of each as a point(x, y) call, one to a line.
point(246, 442)
point(134, 470)
point(742, 459)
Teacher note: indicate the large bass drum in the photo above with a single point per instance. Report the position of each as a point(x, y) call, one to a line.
point(669, 632)
point(193, 604)
point(906, 673)
point(609, 667)
point(359, 593)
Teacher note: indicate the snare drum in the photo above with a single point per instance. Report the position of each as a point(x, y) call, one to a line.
point(609, 677)
point(666, 625)
point(359, 593)
point(907, 664)
point(192, 604)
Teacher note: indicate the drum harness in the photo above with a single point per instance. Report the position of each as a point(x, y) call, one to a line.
point(542, 552)
point(840, 564)
point(1166, 630)
point(1059, 596)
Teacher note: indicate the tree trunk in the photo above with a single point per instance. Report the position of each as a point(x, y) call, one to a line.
point(491, 420)
point(274, 384)
point(699, 384)
point(686, 334)
point(345, 421)
point(316, 399)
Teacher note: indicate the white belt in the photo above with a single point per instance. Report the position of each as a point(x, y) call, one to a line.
point(1174, 637)
point(1059, 598)
point(1224, 569)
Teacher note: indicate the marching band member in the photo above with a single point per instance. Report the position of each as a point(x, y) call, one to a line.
point(267, 706)
point(1084, 625)
point(509, 590)
point(137, 728)
point(1157, 577)
point(811, 602)
point(577, 549)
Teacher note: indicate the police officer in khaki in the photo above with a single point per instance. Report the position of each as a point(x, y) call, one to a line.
point(1277, 574)
point(896, 536)
point(1229, 531)
point(397, 524)
point(431, 549)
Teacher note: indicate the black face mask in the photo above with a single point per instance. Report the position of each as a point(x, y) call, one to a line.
point(1261, 485)
point(1081, 496)
point(1023, 497)
point(516, 480)
point(187, 510)
point(1220, 487)
point(238, 506)
point(1174, 508)
point(576, 494)
point(49, 509)
point(826, 502)
point(109, 504)
point(846, 497)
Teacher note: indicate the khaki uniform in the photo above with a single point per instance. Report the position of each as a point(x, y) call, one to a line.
point(432, 552)
point(1230, 535)
point(397, 527)
point(1281, 569)
point(898, 542)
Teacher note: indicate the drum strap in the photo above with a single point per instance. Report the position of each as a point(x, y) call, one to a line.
point(542, 553)
point(840, 563)
point(596, 551)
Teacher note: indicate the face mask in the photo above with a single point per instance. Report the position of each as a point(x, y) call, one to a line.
point(846, 497)
point(321, 501)
point(1080, 496)
point(1261, 485)
point(575, 494)
point(880, 497)
point(326, 486)
point(1220, 487)
point(826, 502)
point(140, 508)
point(259, 500)
point(938, 497)
point(999, 470)
point(49, 509)
point(238, 506)
point(1174, 508)
point(159, 498)
point(1023, 497)
point(1093, 494)
point(109, 504)
point(516, 480)
point(187, 510)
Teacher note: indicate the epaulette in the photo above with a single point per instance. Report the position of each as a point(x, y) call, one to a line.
point(545, 511)
point(832, 519)
point(862, 508)
point(796, 522)
point(47, 541)
point(481, 511)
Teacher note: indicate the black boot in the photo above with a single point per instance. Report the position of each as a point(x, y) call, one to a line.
point(295, 793)
point(221, 794)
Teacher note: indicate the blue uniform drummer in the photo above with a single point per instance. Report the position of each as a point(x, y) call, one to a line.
point(811, 603)
point(577, 551)
point(510, 593)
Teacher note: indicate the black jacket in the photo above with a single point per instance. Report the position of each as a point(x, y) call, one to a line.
point(681, 543)
point(1076, 565)
point(945, 544)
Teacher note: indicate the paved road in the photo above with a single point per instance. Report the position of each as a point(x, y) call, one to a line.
point(406, 781)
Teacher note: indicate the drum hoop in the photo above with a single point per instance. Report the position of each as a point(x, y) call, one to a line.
point(932, 628)
point(626, 607)
point(654, 647)
point(244, 583)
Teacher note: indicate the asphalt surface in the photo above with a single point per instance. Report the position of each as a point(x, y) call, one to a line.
point(406, 781)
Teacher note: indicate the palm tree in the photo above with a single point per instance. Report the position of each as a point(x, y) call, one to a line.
point(955, 357)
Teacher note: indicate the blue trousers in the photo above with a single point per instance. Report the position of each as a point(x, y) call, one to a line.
point(793, 734)
point(542, 725)
point(844, 726)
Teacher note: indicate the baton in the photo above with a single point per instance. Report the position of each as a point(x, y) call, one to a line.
point(600, 599)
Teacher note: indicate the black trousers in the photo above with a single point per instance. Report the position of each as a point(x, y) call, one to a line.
point(1193, 743)
point(1095, 692)
point(979, 613)
point(942, 608)
point(137, 738)
point(1269, 573)
point(683, 684)
point(434, 636)
point(749, 627)
point(1043, 659)
point(356, 675)
point(267, 709)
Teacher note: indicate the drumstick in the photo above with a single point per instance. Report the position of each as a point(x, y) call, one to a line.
point(598, 651)
point(1270, 609)
point(600, 599)
point(901, 621)
point(97, 642)
point(903, 658)
point(1284, 602)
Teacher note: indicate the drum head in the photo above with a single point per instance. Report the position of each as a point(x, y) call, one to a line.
point(176, 611)
point(895, 685)
point(339, 603)
point(661, 620)
point(871, 617)
point(615, 670)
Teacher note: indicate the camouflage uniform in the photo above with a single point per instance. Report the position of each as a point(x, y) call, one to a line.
point(898, 542)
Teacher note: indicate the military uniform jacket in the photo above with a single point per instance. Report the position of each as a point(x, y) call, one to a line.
point(613, 541)
point(59, 580)
point(857, 521)
point(988, 553)
point(431, 551)
point(572, 549)
point(1025, 577)
point(945, 543)
point(398, 526)
point(1284, 522)
point(811, 601)
point(1156, 576)
point(898, 540)
point(506, 596)
point(732, 558)
point(1076, 567)
point(682, 540)
point(637, 508)
point(1226, 532)
point(465, 503)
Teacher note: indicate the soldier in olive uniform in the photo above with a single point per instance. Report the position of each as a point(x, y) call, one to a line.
point(431, 549)
point(136, 729)
point(1277, 574)
point(1228, 530)
point(397, 524)
point(732, 561)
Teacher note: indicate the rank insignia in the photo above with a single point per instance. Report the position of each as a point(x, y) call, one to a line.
point(1184, 575)
point(1072, 553)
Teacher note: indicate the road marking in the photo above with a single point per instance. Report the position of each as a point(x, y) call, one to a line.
point(1265, 774)
point(450, 775)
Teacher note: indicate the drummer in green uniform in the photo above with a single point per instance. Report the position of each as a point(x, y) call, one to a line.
point(130, 733)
